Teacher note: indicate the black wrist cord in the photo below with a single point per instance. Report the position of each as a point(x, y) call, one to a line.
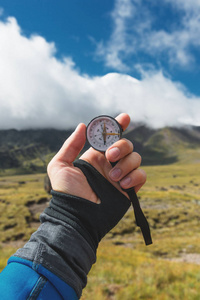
point(140, 218)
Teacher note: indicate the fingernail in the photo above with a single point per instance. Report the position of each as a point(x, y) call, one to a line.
point(114, 152)
point(115, 173)
point(125, 182)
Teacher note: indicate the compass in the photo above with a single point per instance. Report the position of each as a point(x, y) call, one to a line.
point(102, 132)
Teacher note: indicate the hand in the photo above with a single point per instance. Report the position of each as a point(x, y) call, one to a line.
point(68, 179)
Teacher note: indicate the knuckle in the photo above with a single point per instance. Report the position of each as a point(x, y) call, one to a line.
point(137, 157)
point(128, 144)
point(49, 167)
point(142, 176)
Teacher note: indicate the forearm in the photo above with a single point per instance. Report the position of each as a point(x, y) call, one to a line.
point(60, 248)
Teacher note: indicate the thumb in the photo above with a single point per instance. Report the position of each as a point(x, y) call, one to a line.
point(73, 145)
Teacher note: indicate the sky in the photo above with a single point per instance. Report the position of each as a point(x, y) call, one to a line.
point(65, 62)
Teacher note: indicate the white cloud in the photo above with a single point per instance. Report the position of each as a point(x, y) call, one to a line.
point(38, 90)
point(116, 46)
point(184, 35)
point(185, 4)
point(134, 32)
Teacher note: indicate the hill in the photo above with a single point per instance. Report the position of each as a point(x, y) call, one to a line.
point(166, 145)
point(28, 151)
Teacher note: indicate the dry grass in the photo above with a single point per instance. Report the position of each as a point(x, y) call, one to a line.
point(126, 269)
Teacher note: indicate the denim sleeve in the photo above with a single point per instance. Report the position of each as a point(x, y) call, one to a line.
point(21, 281)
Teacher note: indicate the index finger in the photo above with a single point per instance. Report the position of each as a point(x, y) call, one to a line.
point(123, 119)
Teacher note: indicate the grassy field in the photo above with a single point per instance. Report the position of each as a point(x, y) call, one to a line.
point(126, 269)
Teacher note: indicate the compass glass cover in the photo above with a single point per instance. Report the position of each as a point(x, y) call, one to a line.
point(102, 132)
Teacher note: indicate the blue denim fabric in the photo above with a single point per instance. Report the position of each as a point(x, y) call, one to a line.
point(24, 280)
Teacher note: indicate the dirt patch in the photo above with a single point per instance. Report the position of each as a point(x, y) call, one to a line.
point(192, 258)
point(15, 244)
point(111, 291)
point(36, 208)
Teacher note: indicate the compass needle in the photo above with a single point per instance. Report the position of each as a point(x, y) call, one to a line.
point(112, 133)
point(104, 133)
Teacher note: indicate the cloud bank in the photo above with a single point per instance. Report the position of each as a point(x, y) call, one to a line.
point(39, 91)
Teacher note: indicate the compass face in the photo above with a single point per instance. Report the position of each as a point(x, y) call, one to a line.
point(102, 132)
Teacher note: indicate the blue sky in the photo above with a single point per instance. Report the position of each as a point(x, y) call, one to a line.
point(74, 26)
point(64, 62)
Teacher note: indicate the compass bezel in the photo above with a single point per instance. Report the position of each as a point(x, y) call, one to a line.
point(98, 118)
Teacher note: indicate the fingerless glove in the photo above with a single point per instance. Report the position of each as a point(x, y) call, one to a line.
point(67, 240)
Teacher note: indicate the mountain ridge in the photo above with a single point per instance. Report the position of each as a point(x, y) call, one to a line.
point(29, 150)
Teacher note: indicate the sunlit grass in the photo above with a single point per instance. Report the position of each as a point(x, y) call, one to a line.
point(5, 253)
point(16, 192)
point(126, 269)
point(126, 273)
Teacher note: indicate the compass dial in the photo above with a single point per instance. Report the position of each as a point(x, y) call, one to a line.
point(102, 132)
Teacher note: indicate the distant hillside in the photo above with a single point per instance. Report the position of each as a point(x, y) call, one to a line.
point(29, 151)
point(166, 145)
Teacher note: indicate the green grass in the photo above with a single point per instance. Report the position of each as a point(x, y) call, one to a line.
point(126, 269)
